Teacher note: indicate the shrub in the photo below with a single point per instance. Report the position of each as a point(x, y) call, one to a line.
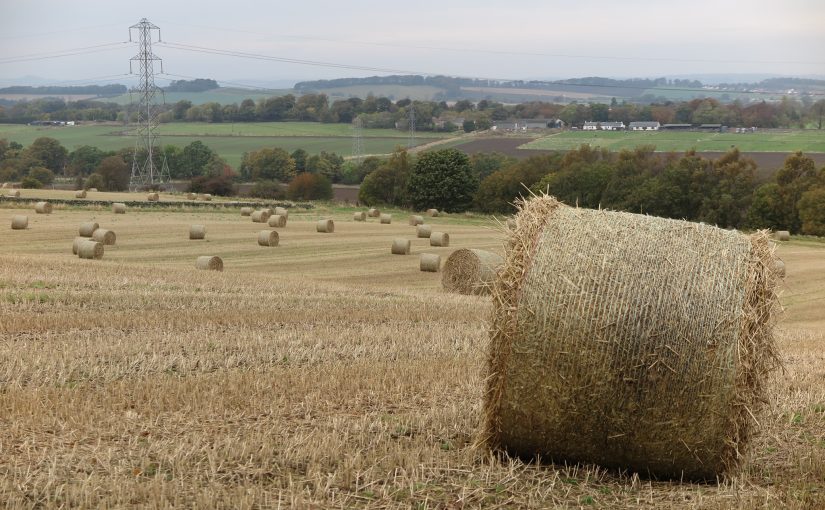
point(498, 191)
point(310, 187)
point(388, 184)
point(220, 185)
point(442, 179)
point(812, 211)
point(93, 181)
point(267, 189)
point(44, 175)
point(30, 182)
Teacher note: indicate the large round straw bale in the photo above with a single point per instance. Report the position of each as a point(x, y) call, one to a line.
point(432, 212)
point(261, 216)
point(87, 228)
point(209, 262)
point(386, 219)
point(440, 239)
point(19, 222)
point(278, 221)
point(119, 208)
point(88, 249)
point(424, 231)
point(191, 196)
point(15, 193)
point(430, 262)
point(43, 208)
point(76, 243)
point(373, 213)
point(80, 194)
point(153, 197)
point(283, 211)
point(400, 247)
point(471, 271)
point(633, 342)
point(416, 220)
point(104, 236)
point(359, 216)
point(268, 238)
point(325, 226)
point(246, 211)
point(197, 232)
point(783, 235)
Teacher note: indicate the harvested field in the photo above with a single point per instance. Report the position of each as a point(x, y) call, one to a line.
point(333, 374)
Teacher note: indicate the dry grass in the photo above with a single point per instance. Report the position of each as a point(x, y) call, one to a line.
point(144, 382)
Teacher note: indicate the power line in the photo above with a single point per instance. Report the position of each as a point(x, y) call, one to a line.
point(63, 53)
point(63, 31)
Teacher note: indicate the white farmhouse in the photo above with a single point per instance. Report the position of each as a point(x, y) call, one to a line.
point(644, 126)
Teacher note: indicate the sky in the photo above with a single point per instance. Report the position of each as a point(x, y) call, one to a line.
point(86, 41)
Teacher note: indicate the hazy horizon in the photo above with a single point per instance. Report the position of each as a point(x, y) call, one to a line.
point(546, 40)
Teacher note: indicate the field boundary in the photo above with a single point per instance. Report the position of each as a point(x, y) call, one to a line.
point(142, 204)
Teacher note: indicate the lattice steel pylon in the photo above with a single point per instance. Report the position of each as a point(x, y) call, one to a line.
point(411, 121)
point(145, 172)
point(357, 140)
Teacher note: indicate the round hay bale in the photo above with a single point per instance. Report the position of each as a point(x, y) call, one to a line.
point(633, 342)
point(779, 268)
point(471, 271)
point(325, 226)
point(430, 262)
point(153, 197)
point(416, 220)
point(441, 239)
point(43, 208)
point(783, 235)
point(270, 211)
point(268, 238)
point(386, 219)
point(19, 222)
point(260, 216)
point(197, 232)
point(283, 211)
point(359, 216)
point(400, 247)
point(424, 231)
point(373, 213)
point(90, 249)
point(76, 243)
point(246, 211)
point(277, 221)
point(191, 196)
point(207, 196)
point(92, 190)
point(209, 263)
point(104, 236)
point(87, 228)
point(432, 212)
point(80, 194)
point(14, 193)
point(119, 208)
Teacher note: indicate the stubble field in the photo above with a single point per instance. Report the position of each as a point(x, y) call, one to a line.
point(321, 373)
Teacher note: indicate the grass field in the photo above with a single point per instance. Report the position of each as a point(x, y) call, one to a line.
point(806, 141)
point(321, 373)
point(229, 140)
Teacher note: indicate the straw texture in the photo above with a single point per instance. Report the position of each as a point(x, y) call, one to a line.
point(87, 228)
point(283, 211)
point(19, 222)
point(119, 208)
point(261, 216)
point(80, 194)
point(191, 196)
point(325, 226)
point(430, 262)
point(76, 243)
point(386, 219)
point(268, 238)
point(246, 211)
point(373, 213)
point(440, 239)
point(470, 271)
point(400, 246)
point(197, 232)
point(90, 250)
point(783, 235)
point(424, 231)
point(14, 193)
point(43, 208)
point(416, 220)
point(276, 220)
point(209, 263)
point(104, 236)
point(432, 212)
point(153, 197)
point(629, 341)
point(359, 216)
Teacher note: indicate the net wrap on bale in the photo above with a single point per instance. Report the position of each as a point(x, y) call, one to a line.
point(629, 341)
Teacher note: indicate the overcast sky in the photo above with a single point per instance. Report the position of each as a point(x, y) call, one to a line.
point(519, 39)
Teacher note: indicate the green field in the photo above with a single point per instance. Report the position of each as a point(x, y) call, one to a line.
point(806, 141)
point(229, 140)
point(223, 95)
point(394, 92)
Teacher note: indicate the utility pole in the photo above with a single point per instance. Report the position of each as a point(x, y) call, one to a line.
point(357, 140)
point(145, 173)
point(411, 121)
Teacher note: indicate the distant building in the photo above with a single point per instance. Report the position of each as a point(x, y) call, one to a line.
point(612, 126)
point(677, 127)
point(710, 127)
point(644, 126)
point(590, 126)
point(505, 126)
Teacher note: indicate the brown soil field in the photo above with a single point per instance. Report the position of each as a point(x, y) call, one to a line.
point(321, 373)
point(767, 161)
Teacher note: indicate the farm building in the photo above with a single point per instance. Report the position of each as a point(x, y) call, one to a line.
point(677, 127)
point(604, 126)
point(711, 127)
point(644, 126)
point(590, 126)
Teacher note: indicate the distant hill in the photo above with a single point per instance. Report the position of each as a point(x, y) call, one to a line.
point(85, 90)
point(196, 85)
